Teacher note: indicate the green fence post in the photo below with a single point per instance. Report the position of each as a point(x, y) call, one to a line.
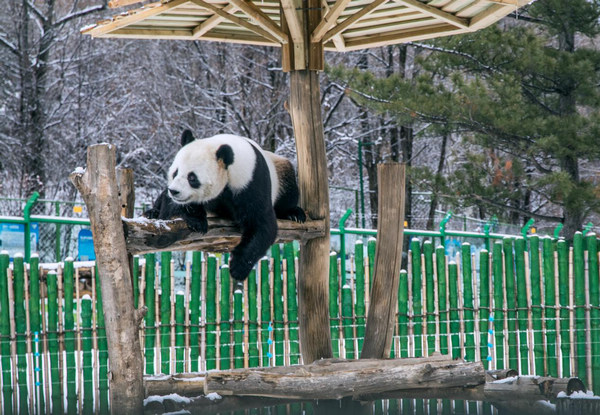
point(265, 311)
point(165, 312)
point(7, 391)
point(224, 324)
point(36, 328)
point(334, 305)
point(509, 263)
point(454, 317)
point(592, 247)
point(563, 298)
point(194, 305)
point(417, 295)
point(136, 279)
point(57, 253)
point(150, 318)
point(347, 321)
point(430, 301)
point(484, 306)
point(536, 303)
point(522, 304)
point(579, 288)
point(87, 347)
point(102, 350)
point(549, 303)
point(371, 248)
point(292, 303)
point(211, 312)
point(278, 334)
point(238, 329)
point(253, 356)
point(69, 327)
point(498, 304)
point(359, 288)
point(440, 263)
point(27, 227)
point(179, 332)
point(56, 391)
point(403, 313)
point(469, 317)
point(20, 330)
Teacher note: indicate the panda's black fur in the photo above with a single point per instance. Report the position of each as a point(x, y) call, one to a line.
point(252, 207)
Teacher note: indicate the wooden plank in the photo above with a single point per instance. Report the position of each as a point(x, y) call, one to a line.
point(435, 12)
point(340, 27)
point(98, 186)
point(131, 18)
point(212, 22)
point(337, 378)
point(236, 20)
point(262, 19)
point(402, 36)
point(329, 20)
point(113, 4)
point(294, 26)
point(384, 292)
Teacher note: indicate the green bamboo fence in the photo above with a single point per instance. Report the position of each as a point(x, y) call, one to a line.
point(518, 306)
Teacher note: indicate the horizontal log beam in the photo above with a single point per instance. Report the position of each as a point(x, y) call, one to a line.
point(146, 235)
point(336, 379)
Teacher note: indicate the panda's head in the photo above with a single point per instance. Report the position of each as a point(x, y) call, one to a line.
point(199, 172)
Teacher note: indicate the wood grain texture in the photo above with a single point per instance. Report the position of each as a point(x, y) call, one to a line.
point(388, 257)
point(145, 235)
point(337, 378)
point(313, 275)
point(98, 186)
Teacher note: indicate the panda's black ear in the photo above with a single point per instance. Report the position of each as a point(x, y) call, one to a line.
point(225, 154)
point(187, 137)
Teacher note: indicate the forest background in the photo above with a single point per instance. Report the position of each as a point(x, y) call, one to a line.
point(501, 123)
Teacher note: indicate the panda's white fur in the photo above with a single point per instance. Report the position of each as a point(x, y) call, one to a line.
point(214, 178)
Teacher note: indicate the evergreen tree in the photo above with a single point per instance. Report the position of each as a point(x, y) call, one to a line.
point(524, 97)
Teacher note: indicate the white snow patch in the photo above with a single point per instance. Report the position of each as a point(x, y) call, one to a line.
point(238, 291)
point(371, 238)
point(172, 397)
point(158, 377)
point(194, 379)
point(86, 297)
point(18, 255)
point(69, 259)
point(80, 170)
point(183, 411)
point(213, 396)
point(358, 242)
point(578, 395)
point(4, 252)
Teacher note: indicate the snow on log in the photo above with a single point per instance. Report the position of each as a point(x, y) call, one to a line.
point(147, 235)
point(336, 378)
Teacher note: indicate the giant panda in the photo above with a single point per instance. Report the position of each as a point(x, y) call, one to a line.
point(231, 177)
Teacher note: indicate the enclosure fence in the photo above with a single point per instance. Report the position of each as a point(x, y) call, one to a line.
point(530, 304)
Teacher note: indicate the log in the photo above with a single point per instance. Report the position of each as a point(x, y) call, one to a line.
point(146, 235)
point(98, 187)
point(313, 269)
point(388, 258)
point(336, 379)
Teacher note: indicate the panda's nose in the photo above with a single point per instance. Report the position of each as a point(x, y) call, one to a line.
point(173, 192)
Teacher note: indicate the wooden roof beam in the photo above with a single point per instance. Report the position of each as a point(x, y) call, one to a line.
point(329, 20)
point(122, 21)
point(262, 19)
point(338, 40)
point(403, 36)
point(296, 33)
point(212, 22)
point(435, 12)
point(340, 27)
point(234, 19)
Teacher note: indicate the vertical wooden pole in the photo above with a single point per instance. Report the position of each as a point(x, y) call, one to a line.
point(386, 276)
point(98, 186)
point(313, 305)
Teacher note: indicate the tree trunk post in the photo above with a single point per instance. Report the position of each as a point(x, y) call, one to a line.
point(313, 275)
point(388, 259)
point(98, 186)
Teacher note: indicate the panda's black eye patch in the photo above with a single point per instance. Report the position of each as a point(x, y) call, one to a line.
point(175, 173)
point(193, 180)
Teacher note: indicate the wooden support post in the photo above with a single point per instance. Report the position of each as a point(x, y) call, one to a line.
point(98, 186)
point(386, 276)
point(313, 275)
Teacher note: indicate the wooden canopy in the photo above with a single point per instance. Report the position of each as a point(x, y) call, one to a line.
point(342, 25)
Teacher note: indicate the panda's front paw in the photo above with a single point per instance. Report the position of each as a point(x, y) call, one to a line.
point(151, 214)
point(239, 269)
point(297, 214)
point(196, 224)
